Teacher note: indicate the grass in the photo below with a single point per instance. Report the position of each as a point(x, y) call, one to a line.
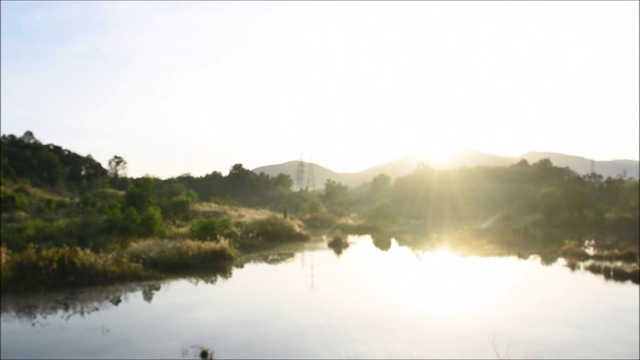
point(41, 268)
point(268, 231)
point(181, 255)
point(38, 268)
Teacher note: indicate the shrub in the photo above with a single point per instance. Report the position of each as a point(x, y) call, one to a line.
point(130, 221)
point(272, 229)
point(204, 229)
point(321, 221)
point(181, 255)
point(213, 229)
point(151, 222)
point(13, 202)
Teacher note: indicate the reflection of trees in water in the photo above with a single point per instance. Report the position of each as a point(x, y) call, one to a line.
point(613, 271)
point(197, 352)
point(268, 257)
point(547, 250)
point(148, 292)
point(36, 307)
point(382, 241)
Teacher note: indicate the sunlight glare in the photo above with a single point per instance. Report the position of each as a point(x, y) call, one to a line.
point(451, 285)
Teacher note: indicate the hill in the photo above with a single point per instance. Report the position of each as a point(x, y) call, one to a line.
point(466, 158)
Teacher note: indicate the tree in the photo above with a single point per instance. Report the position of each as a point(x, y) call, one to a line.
point(550, 203)
point(29, 138)
point(117, 167)
point(140, 195)
point(380, 187)
point(130, 222)
point(151, 222)
point(336, 196)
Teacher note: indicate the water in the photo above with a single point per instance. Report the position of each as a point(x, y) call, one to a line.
point(363, 303)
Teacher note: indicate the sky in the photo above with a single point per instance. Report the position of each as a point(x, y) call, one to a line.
point(196, 87)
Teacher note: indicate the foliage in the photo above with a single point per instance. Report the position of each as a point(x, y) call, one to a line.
point(49, 165)
point(321, 221)
point(13, 202)
point(39, 268)
point(271, 230)
point(336, 197)
point(181, 255)
point(213, 229)
point(51, 198)
point(151, 222)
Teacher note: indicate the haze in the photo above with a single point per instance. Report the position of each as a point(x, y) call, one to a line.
point(177, 87)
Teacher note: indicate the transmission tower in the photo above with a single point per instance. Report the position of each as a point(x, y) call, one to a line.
point(311, 179)
point(300, 173)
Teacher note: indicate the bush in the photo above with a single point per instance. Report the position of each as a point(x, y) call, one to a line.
point(13, 202)
point(151, 222)
point(204, 229)
point(272, 229)
point(181, 255)
point(213, 229)
point(130, 222)
point(321, 221)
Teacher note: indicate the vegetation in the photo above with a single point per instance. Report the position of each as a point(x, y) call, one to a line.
point(65, 220)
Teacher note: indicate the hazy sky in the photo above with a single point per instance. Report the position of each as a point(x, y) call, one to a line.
point(177, 87)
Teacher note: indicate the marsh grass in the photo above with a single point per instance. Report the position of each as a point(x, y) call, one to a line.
point(271, 230)
point(241, 215)
point(168, 256)
point(41, 268)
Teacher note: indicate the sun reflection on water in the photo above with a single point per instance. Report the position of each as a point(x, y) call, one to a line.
point(439, 283)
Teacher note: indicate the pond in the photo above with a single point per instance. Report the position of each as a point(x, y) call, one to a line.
point(310, 302)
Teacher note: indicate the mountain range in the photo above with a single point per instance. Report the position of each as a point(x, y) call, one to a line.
point(466, 158)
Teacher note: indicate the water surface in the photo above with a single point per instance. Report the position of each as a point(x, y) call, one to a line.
point(363, 303)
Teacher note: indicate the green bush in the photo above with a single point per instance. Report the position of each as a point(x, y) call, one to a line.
point(130, 222)
point(213, 229)
point(204, 229)
point(151, 222)
point(14, 202)
point(226, 229)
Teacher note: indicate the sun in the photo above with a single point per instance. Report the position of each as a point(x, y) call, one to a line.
point(438, 151)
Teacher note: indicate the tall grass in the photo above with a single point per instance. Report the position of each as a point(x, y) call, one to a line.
point(270, 231)
point(40, 268)
point(181, 255)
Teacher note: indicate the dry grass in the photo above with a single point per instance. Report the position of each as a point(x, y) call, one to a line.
point(240, 216)
point(181, 255)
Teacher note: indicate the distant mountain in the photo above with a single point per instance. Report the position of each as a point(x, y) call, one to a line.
point(579, 164)
point(396, 168)
point(466, 158)
point(470, 158)
point(320, 174)
point(582, 165)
